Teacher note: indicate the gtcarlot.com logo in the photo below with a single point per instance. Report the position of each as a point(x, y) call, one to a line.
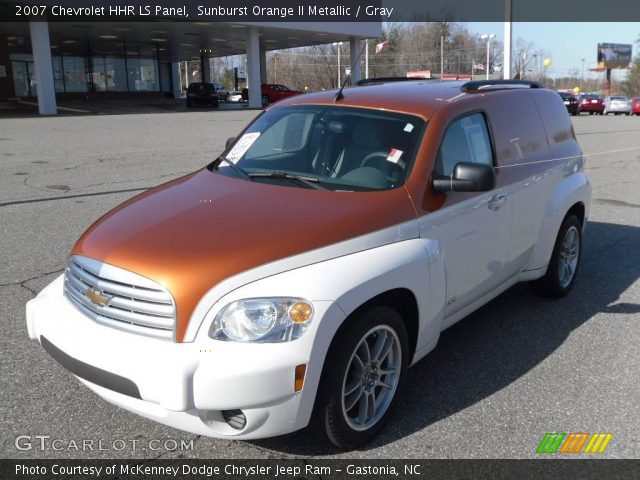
point(583, 442)
point(46, 442)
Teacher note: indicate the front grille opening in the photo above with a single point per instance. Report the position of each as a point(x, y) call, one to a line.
point(234, 418)
point(134, 304)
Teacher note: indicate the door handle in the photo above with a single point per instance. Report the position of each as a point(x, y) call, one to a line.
point(498, 201)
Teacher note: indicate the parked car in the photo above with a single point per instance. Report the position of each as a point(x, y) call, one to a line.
point(235, 96)
point(594, 104)
point(571, 102)
point(272, 92)
point(199, 93)
point(635, 106)
point(221, 91)
point(617, 105)
point(295, 279)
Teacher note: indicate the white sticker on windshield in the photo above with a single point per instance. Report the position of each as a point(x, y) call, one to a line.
point(241, 146)
point(394, 155)
point(408, 128)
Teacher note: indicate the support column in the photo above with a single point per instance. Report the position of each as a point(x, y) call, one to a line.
point(354, 53)
point(175, 79)
point(41, 49)
point(506, 63)
point(253, 68)
point(263, 65)
point(205, 65)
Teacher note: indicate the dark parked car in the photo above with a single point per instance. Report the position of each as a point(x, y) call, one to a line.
point(202, 93)
point(591, 103)
point(571, 102)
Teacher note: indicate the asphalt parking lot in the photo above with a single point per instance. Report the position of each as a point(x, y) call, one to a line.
point(519, 367)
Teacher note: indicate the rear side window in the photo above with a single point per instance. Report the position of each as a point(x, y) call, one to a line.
point(466, 140)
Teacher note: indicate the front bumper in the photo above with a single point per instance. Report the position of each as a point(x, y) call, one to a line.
point(185, 385)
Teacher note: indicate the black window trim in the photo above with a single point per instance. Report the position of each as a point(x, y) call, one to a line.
point(468, 113)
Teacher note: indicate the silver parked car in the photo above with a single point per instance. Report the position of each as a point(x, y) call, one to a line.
point(617, 105)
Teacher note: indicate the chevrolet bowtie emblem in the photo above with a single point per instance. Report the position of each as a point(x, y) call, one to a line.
point(98, 298)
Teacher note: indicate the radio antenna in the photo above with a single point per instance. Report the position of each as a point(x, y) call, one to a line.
point(339, 96)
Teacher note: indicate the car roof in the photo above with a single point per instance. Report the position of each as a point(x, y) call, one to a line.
point(419, 97)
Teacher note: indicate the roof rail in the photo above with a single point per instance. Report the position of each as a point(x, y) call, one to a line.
point(476, 85)
point(369, 81)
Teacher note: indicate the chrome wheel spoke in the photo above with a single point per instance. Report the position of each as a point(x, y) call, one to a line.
point(364, 348)
point(381, 340)
point(363, 408)
point(356, 385)
point(380, 383)
point(386, 371)
point(355, 398)
point(357, 363)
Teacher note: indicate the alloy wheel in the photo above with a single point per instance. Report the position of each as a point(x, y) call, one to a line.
point(371, 378)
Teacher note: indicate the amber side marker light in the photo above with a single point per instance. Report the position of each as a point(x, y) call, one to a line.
point(300, 312)
point(300, 372)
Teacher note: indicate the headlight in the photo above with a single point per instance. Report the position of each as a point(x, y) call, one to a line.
point(263, 320)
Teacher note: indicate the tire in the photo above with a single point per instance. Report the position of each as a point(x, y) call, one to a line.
point(345, 390)
point(591, 113)
point(265, 100)
point(189, 104)
point(567, 251)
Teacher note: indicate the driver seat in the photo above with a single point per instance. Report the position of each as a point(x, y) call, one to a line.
point(366, 138)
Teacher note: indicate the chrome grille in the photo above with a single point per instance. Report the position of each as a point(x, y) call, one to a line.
point(120, 299)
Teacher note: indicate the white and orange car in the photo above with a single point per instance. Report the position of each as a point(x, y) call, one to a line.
point(295, 279)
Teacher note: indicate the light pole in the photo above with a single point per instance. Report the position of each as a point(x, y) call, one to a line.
point(488, 37)
point(338, 44)
point(582, 75)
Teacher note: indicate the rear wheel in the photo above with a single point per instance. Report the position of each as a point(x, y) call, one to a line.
point(563, 267)
point(363, 373)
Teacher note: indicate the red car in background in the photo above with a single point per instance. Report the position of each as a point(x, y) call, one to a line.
point(591, 103)
point(635, 106)
point(271, 92)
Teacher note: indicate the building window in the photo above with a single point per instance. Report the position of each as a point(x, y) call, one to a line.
point(75, 74)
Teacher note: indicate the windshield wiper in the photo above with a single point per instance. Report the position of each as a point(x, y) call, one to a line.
point(239, 170)
point(311, 182)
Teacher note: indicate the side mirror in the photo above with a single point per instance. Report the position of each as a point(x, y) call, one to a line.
point(229, 141)
point(467, 177)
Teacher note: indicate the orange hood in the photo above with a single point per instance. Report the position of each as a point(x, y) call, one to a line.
point(193, 232)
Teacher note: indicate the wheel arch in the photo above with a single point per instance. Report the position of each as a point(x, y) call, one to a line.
point(573, 195)
point(401, 300)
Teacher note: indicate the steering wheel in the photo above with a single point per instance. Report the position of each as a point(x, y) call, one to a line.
point(375, 157)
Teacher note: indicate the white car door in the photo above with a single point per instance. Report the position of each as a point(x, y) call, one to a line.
point(471, 228)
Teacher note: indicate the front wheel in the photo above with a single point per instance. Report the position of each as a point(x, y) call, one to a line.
point(565, 259)
point(365, 368)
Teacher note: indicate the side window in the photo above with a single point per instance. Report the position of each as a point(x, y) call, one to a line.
point(466, 140)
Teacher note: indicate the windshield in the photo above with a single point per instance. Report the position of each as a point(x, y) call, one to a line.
point(337, 148)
